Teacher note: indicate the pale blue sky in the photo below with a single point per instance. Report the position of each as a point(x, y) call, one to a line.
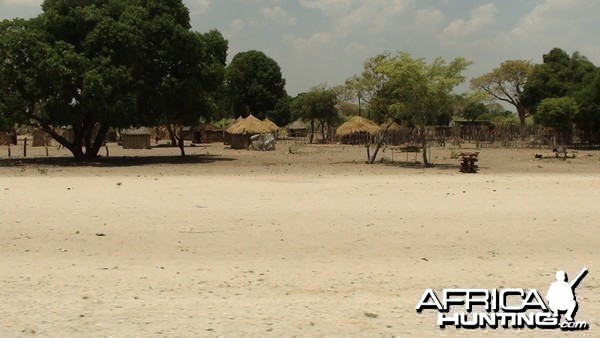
point(326, 41)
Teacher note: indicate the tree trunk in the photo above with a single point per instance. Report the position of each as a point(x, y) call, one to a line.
point(312, 130)
point(424, 144)
point(522, 112)
point(372, 157)
point(91, 153)
point(181, 142)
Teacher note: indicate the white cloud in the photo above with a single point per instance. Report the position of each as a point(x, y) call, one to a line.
point(558, 17)
point(429, 17)
point(328, 6)
point(198, 6)
point(319, 38)
point(278, 15)
point(237, 25)
point(480, 17)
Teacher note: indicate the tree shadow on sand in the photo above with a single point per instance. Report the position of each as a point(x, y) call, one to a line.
point(419, 165)
point(114, 161)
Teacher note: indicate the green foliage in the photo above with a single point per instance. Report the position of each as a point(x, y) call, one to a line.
point(557, 113)
point(254, 83)
point(281, 113)
point(100, 64)
point(410, 89)
point(559, 76)
point(421, 92)
point(588, 97)
point(318, 104)
point(474, 111)
point(562, 76)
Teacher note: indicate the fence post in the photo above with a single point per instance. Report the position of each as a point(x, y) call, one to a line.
point(25, 148)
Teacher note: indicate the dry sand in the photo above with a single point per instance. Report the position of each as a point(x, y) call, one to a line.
point(313, 243)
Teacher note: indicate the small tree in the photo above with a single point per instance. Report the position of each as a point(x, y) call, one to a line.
point(422, 91)
point(558, 114)
point(318, 104)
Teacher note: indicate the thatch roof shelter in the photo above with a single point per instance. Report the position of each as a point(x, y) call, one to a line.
point(40, 138)
point(249, 125)
point(358, 125)
point(272, 125)
point(297, 129)
point(357, 130)
point(136, 138)
point(242, 131)
point(207, 133)
point(226, 135)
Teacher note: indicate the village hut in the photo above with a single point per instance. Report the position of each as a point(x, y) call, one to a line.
point(242, 131)
point(297, 129)
point(40, 138)
point(207, 133)
point(357, 130)
point(272, 125)
point(8, 138)
point(226, 135)
point(5, 139)
point(136, 138)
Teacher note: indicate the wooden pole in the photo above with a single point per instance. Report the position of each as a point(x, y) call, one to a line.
point(25, 148)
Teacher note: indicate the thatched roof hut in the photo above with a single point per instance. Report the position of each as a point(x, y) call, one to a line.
point(357, 130)
point(7, 138)
point(358, 125)
point(136, 138)
point(243, 130)
point(226, 135)
point(297, 129)
point(40, 138)
point(272, 125)
point(207, 133)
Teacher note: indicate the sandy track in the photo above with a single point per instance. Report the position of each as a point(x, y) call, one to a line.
point(301, 254)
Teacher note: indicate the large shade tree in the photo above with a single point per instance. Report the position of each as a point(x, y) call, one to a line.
point(92, 65)
point(562, 76)
point(506, 84)
point(255, 84)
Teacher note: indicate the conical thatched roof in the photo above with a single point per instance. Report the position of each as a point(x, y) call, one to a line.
point(249, 125)
point(297, 125)
point(358, 125)
point(271, 124)
point(394, 127)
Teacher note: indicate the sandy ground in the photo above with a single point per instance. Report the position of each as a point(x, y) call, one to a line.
point(308, 243)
